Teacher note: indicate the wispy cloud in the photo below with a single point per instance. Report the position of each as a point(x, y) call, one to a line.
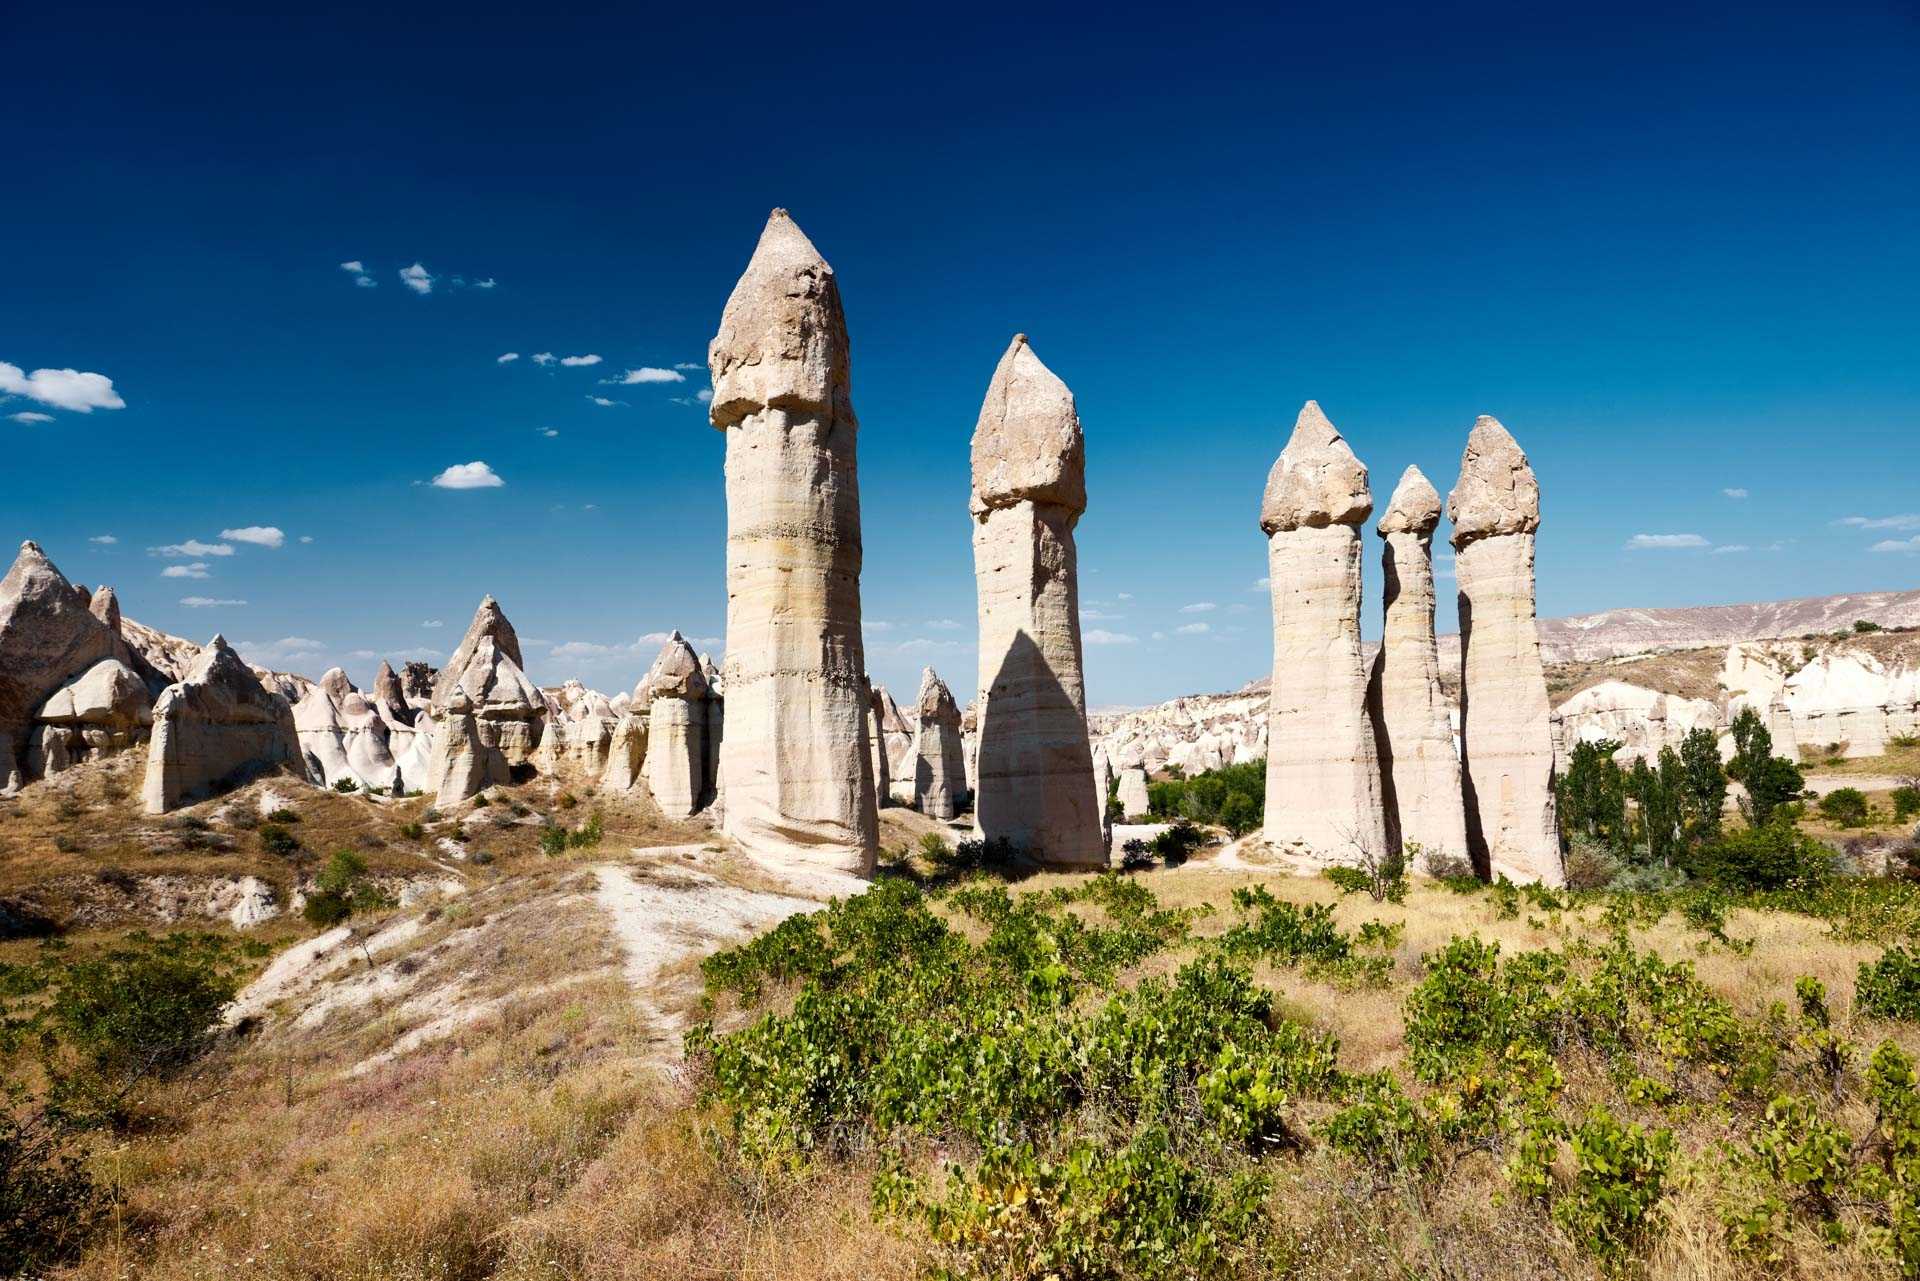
point(689, 364)
point(1192, 629)
point(417, 278)
point(576, 362)
point(548, 432)
point(433, 622)
point(604, 403)
point(287, 649)
point(62, 388)
point(192, 547)
point(198, 569)
point(306, 538)
point(1199, 607)
point(105, 540)
point(1728, 549)
point(1911, 546)
point(1641, 542)
point(258, 535)
point(1123, 595)
point(1906, 520)
point(1260, 585)
point(31, 416)
point(1734, 493)
point(942, 624)
point(358, 270)
point(544, 358)
point(1089, 614)
point(506, 358)
point(647, 374)
point(206, 602)
point(473, 475)
point(1101, 636)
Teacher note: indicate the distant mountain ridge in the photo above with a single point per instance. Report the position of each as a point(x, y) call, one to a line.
point(1614, 632)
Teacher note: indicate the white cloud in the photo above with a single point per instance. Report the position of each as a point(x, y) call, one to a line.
point(1642, 541)
point(417, 278)
point(306, 538)
point(1124, 595)
point(31, 416)
point(1090, 615)
point(206, 602)
point(358, 270)
point(544, 358)
point(192, 547)
point(105, 540)
point(1734, 493)
point(506, 358)
point(488, 283)
point(1199, 607)
point(575, 362)
point(943, 624)
point(647, 374)
point(61, 388)
point(1906, 520)
point(258, 535)
point(548, 432)
point(198, 569)
point(286, 649)
point(704, 395)
point(1908, 545)
point(1727, 549)
point(1192, 629)
point(604, 403)
point(1260, 585)
point(433, 622)
point(655, 638)
point(1101, 636)
point(689, 364)
point(474, 475)
point(875, 625)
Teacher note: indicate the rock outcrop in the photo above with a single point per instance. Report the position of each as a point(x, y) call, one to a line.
point(484, 683)
point(1506, 740)
point(216, 728)
point(1419, 769)
point(896, 732)
point(627, 750)
point(48, 637)
point(1323, 803)
point(106, 709)
point(1133, 793)
point(798, 780)
point(877, 745)
point(676, 761)
point(1033, 779)
point(939, 760)
point(1102, 790)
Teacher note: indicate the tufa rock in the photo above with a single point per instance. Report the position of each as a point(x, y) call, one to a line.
point(939, 768)
point(214, 729)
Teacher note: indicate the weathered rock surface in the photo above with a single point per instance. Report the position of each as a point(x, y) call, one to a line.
point(798, 780)
point(1033, 779)
point(676, 763)
point(213, 729)
point(1133, 793)
point(1419, 768)
point(484, 683)
point(1323, 803)
point(877, 746)
point(48, 637)
point(939, 761)
point(1102, 789)
point(1506, 739)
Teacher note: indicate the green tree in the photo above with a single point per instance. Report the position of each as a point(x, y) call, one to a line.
point(1846, 806)
point(342, 889)
point(1659, 791)
point(1593, 796)
point(1771, 781)
point(1704, 780)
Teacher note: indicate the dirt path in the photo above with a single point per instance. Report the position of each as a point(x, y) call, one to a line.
point(665, 915)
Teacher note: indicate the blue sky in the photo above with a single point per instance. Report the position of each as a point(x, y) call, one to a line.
point(1676, 252)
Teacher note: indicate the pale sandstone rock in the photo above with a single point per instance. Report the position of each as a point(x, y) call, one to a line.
point(939, 761)
point(1419, 770)
point(483, 683)
point(897, 733)
point(215, 728)
point(1133, 793)
point(1033, 779)
point(877, 746)
point(798, 780)
point(1102, 789)
point(462, 765)
point(676, 763)
point(1506, 737)
point(48, 637)
point(1323, 803)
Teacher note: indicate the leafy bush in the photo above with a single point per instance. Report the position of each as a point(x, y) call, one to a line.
point(284, 815)
point(1771, 857)
point(1846, 806)
point(553, 841)
point(347, 786)
point(1889, 988)
point(588, 835)
point(1234, 797)
point(413, 831)
point(343, 889)
point(1177, 844)
point(1621, 1177)
point(1906, 801)
point(276, 839)
point(49, 1204)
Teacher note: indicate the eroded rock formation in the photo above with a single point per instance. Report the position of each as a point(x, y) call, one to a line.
point(1419, 769)
point(485, 684)
point(215, 728)
point(48, 637)
point(1323, 801)
point(939, 760)
point(1033, 780)
point(798, 779)
point(1506, 741)
point(1133, 793)
point(676, 762)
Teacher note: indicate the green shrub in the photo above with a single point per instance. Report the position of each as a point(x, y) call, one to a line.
point(1761, 858)
point(347, 786)
point(275, 839)
point(1846, 806)
point(343, 889)
point(1621, 1175)
point(283, 815)
point(1906, 801)
point(1233, 796)
point(413, 831)
point(1177, 844)
point(1889, 988)
point(588, 835)
point(49, 1204)
point(553, 841)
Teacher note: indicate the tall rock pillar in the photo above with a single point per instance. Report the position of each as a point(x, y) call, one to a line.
point(676, 762)
point(1505, 734)
point(1323, 767)
point(1419, 771)
point(799, 783)
point(1034, 776)
point(939, 764)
